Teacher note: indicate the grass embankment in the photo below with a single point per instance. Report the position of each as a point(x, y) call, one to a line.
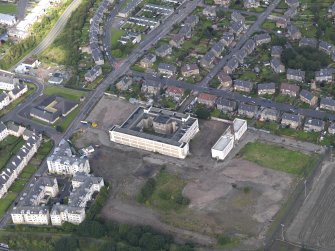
point(7, 8)
point(27, 172)
point(8, 148)
point(279, 158)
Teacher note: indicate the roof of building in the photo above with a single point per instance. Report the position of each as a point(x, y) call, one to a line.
point(290, 87)
point(306, 94)
point(207, 96)
point(266, 86)
point(291, 117)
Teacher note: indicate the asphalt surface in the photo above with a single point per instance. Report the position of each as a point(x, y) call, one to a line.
point(21, 9)
point(54, 32)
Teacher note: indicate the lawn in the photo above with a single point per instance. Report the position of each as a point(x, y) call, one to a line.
point(18, 185)
point(167, 193)
point(278, 158)
point(7, 8)
point(64, 92)
point(115, 35)
point(6, 202)
point(8, 147)
point(64, 123)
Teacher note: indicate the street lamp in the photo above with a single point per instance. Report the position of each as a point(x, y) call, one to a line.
point(282, 231)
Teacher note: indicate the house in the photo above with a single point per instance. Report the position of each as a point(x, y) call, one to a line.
point(163, 50)
point(4, 100)
point(3, 131)
point(18, 91)
point(226, 105)
point(282, 22)
point(314, 125)
point(292, 3)
point(277, 66)
point(243, 85)
point(8, 20)
point(225, 80)
point(308, 97)
point(328, 104)
point(55, 80)
point(207, 60)
point(217, 49)
point(326, 47)
point(263, 38)
point(333, 56)
point(291, 120)
point(266, 88)
point(148, 60)
point(310, 42)
point(236, 28)
point(288, 89)
point(167, 69)
point(249, 46)
point(175, 92)
point(151, 87)
point(31, 63)
point(237, 17)
point(293, 32)
point(295, 75)
point(231, 65)
point(93, 73)
point(192, 21)
point(268, 114)
point(209, 11)
point(177, 40)
point(276, 51)
point(124, 83)
point(186, 31)
point(97, 56)
point(248, 111)
point(324, 75)
point(291, 12)
point(224, 3)
point(189, 70)
point(206, 99)
point(331, 10)
point(241, 55)
point(227, 38)
point(331, 128)
point(251, 4)
point(130, 37)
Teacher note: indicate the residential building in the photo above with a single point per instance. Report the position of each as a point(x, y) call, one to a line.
point(309, 42)
point(92, 74)
point(292, 3)
point(237, 17)
point(175, 92)
point(326, 47)
point(31, 63)
point(308, 97)
point(207, 60)
point(277, 66)
point(38, 215)
point(288, 89)
point(189, 70)
point(223, 146)
point(241, 55)
point(55, 80)
point(266, 88)
point(268, 114)
point(163, 50)
point(206, 99)
point(263, 38)
point(324, 75)
point(295, 75)
point(225, 80)
point(236, 28)
point(331, 10)
point(293, 32)
point(314, 125)
point(282, 22)
point(177, 40)
point(248, 111)
point(124, 83)
point(249, 46)
point(331, 128)
point(167, 69)
point(8, 20)
point(328, 104)
point(276, 51)
point(191, 21)
point(3, 131)
point(18, 91)
point(251, 4)
point(227, 39)
point(224, 3)
point(186, 31)
point(291, 120)
point(148, 60)
point(8, 81)
point(226, 105)
point(63, 162)
point(231, 65)
point(176, 130)
point(291, 13)
point(209, 11)
point(243, 85)
point(130, 37)
point(217, 49)
point(4, 100)
point(151, 87)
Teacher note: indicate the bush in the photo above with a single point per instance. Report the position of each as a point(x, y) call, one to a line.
point(66, 244)
point(147, 190)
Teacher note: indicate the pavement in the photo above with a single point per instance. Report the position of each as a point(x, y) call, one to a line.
point(21, 9)
point(54, 32)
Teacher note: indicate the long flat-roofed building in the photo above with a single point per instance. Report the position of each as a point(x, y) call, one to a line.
point(157, 130)
point(223, 146)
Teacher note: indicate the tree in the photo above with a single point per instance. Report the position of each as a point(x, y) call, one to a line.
point(66, 244)
point(59, 128)
point(202, 112)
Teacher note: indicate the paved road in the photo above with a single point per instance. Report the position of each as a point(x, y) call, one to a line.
point(254, 27)
point(21, 9)
point(54, 32)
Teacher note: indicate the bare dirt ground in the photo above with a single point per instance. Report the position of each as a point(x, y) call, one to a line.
point(234, 197)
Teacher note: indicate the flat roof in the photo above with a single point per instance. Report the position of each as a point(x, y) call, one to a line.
point(238, 123)
point(223, 142)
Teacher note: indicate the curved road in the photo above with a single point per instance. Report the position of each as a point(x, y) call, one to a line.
point(54, 32)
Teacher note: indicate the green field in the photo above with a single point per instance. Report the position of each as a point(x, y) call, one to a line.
point(7, 8)
point(64, 123)
point(8, 147)
point(6, 201)
point(115, 35)
point(278, 158)
point(66, 93)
